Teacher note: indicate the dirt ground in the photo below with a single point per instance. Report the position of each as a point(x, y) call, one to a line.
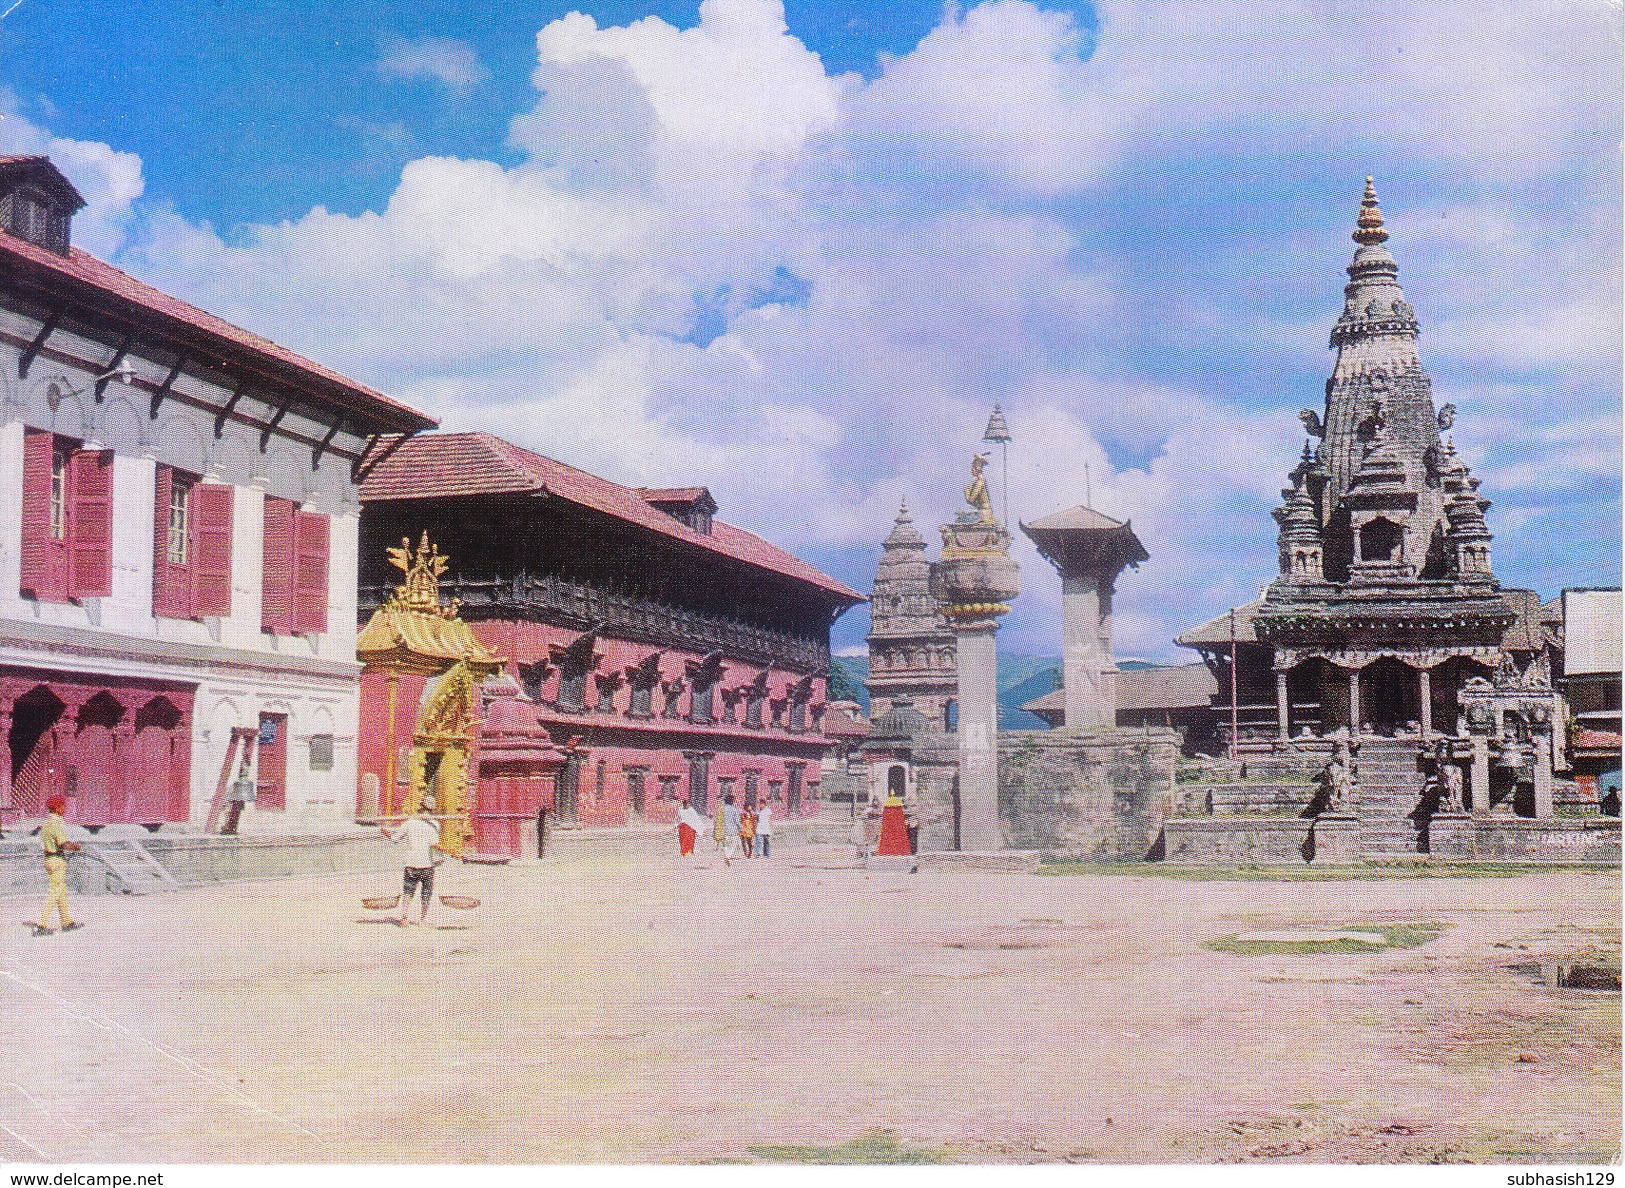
point(629, 1010)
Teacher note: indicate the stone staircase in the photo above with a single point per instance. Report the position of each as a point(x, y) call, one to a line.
point(136, 870)
point(1390, 790)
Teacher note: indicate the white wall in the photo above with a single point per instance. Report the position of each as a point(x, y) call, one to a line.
point(313, 679)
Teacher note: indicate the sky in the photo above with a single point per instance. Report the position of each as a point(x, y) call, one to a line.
point(796, 252)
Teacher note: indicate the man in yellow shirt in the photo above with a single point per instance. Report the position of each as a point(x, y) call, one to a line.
point(54, 841)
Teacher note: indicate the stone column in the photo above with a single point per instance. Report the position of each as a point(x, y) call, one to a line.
point(1481, 775)
point(973, 581)
point(978, 736)
point(1543, 775)
point(1283, 719)
point(1354, 702)
point(1424, 691)
point(1086, 648)
point(5, 751)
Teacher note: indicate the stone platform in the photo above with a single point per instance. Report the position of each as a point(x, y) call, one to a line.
point(1559, 841)
point(994, 861)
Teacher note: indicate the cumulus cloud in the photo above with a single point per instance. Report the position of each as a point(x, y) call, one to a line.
point(717, 262)
point(445, 60)
point(109, 181)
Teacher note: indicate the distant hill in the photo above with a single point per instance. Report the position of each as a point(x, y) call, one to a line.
point(1020, 679)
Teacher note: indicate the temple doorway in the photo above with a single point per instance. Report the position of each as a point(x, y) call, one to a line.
point(1388, 700)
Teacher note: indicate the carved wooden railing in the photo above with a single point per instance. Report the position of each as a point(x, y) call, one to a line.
point(630, 616)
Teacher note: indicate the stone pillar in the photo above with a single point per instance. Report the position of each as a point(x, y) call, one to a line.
point(1481, 775)
point(1088, 670)
point(978, 736)
point(1354, 702)
point(1424, 693)
point(973, 581)
point(1543, 775)
point(5, 751)
point(1283, 721)
point(1089, 550)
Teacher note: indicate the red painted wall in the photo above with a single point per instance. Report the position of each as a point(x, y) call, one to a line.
point(607, 735)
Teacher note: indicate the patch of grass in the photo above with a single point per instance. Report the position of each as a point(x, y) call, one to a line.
point(1305, 873)
point(872, 1148)
point(1404, 935)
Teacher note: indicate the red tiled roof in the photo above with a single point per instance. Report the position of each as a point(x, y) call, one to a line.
point(93, 278)
point(447, 465)
point(839, 722)
point(1595, 740)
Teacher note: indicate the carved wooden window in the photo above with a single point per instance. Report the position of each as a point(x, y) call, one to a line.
point(642, 700)
point(753, 708)
point(180, 490)
point(701, 702)
point(60, 456)
point(191, 546)
point(572, 685)
point(635, 779)
point(699, 782)
point(793, 771)
point(67, 519)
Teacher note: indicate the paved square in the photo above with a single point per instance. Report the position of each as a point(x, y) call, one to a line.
point(632, 1010)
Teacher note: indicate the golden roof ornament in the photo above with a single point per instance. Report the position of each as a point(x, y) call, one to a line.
point(421, 589)
point(1368, 229)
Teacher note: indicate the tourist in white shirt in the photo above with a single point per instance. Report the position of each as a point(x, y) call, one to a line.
point(421, 837)
point(764, 826)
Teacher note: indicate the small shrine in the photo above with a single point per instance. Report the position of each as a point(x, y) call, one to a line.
point(416, 638)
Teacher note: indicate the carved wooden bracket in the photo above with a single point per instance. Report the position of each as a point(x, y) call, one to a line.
point(163, 389)
point(32, 350)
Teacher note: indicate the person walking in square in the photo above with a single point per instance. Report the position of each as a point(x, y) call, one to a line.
point(54, 842)
point(747, 830)
point(421, 837)
point(764, 827)
point(689, 824)
point(730, 829)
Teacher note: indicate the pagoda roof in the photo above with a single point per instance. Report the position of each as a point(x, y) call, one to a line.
point(453, 465)
point(1217, 629)
point(402, 633)
point(1082, 536)
point(1179, 686)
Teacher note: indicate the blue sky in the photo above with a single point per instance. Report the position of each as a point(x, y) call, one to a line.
point(796, 252)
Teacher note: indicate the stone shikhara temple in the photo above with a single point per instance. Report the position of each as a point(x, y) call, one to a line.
point(1384, 696)
point(1386, 641)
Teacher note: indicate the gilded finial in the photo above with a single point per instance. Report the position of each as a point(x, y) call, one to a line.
point(423, 569)
point(1368, 230)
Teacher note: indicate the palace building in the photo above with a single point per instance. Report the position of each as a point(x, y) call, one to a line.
point(661, 651)
point(178, 524)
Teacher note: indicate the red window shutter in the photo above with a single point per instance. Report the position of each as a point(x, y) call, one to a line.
point(211, 549)
point(171, 584)
point(41, 569)
point(276, 604)
point(90, 524)
point(310, 592)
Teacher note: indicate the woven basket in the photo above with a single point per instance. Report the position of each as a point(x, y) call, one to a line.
point(382, 903)
point(460, 902)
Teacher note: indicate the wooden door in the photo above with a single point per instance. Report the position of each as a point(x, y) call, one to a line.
point(271, 791)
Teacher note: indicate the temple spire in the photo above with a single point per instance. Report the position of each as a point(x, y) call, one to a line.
point(1368, 230)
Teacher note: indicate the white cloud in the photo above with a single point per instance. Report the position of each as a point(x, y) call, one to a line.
point(445, 60)
point(109, 181)
point(720, 264)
